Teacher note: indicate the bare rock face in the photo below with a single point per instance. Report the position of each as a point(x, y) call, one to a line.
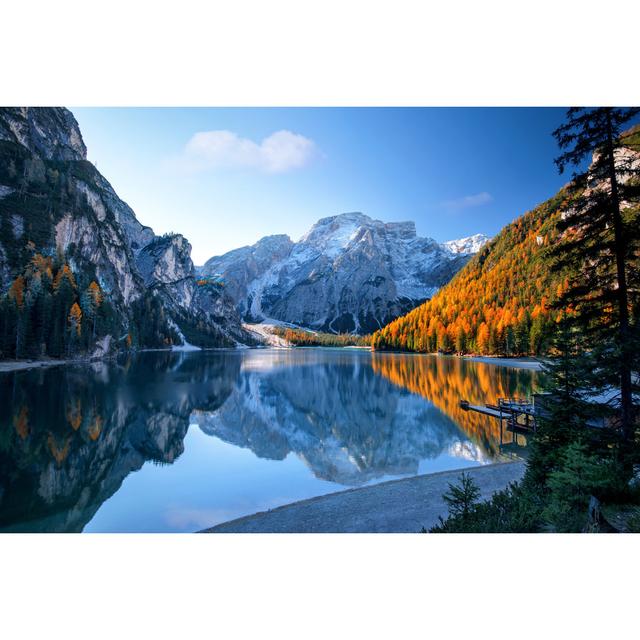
point(137, 234)
point(166, 267)
point(349, 273)
point(48, 132)
point(102, 245)
point(166, 260)
point(49, 188)
point(241, 267)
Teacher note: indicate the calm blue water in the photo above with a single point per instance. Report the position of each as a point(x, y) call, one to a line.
point(163, 441)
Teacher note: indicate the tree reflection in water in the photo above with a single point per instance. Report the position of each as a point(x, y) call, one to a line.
point(355, 417)
point(447, 380)
point(70, 435)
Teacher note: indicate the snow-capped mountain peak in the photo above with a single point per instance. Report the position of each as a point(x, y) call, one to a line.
point(332, 235)
point(467, 246)
point(348, 273)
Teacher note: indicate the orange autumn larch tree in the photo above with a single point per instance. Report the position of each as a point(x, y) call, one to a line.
point(75, 318)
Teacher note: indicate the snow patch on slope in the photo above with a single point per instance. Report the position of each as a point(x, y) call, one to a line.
point(467, 246)
point(185, 346)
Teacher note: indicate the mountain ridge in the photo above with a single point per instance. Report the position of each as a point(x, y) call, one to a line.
point(348, 273)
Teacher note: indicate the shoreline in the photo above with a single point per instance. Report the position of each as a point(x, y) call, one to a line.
point(396, 506)
point(523, 362)
point(501, 361)
point(7, 366)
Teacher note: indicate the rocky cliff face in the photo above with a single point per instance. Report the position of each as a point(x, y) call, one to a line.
point(167, 269)
point(242, 267)
point(349, 273)
point(54, 202)
point(52, 134)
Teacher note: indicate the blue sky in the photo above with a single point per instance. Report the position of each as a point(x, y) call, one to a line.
point(226, 177)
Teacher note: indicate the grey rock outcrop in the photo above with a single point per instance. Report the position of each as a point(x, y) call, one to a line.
point(52, 133)
point(469, 245)
point(166, 268)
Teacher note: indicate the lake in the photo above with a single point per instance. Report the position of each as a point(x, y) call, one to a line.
point(179, 441)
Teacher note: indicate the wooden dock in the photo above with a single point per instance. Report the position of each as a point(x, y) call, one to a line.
point(516, 416)
point(487, 411)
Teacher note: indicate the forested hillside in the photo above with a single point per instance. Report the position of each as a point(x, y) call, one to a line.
point(502, 301)
point(51, 311)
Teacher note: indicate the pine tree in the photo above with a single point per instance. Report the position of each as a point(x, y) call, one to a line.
point(536, 336)
point(564, 412)
point(90, 302)
point(522, 335)
point(63, 299)
point(598, 242)
point(509, 341)
point(16, 296)
point(8, 326)
point(462, 498)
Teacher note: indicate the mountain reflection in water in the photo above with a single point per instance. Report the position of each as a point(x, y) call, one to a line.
point(70, 435)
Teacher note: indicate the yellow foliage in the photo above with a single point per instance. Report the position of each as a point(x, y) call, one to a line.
point(96, 293)
point(95, 428)
point(75, 318)
point(16, 291)
point(64, 272)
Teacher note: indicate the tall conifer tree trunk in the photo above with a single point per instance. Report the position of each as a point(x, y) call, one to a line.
point(626, 394)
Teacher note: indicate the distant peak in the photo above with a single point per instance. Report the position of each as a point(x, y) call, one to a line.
point(467, 246)
point(354, 216)
point(277, 237)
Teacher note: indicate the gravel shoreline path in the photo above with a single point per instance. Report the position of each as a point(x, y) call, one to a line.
point(7, 366)
point(397, 506)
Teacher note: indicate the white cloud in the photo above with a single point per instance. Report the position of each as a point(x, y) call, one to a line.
point(280, 152)
point(466, 202)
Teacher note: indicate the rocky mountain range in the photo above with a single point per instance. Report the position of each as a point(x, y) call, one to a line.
point(60, 217)
point(349, 273)
point(53, 202)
